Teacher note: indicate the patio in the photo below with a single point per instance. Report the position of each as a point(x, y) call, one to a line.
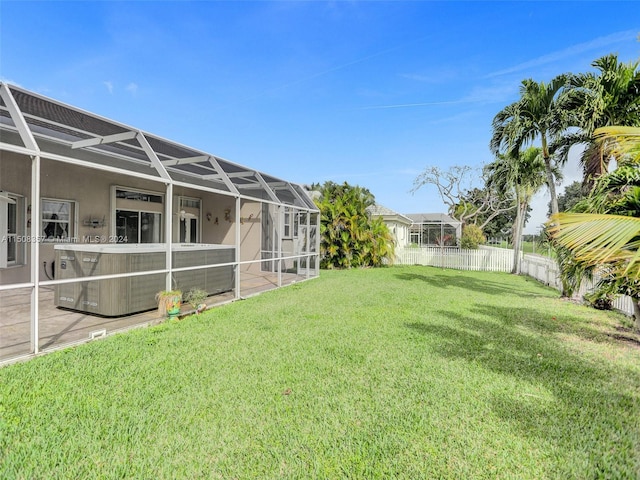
point(60, 327)
point(85, 196)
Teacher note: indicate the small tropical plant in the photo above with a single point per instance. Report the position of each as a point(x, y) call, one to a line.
point(472, 237)
point(168, 301)
point(349, 237)
point(445, 240)
point(195, 298)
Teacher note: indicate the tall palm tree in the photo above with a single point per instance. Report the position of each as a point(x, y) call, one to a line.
point(608, 235)
point(523, 177)
point(537, 114)
point(609, 96)
point(608, 228)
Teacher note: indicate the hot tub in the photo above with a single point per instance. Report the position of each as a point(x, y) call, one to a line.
point(127, 295)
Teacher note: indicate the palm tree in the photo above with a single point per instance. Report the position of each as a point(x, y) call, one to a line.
point(349, 238)
point(610, 96)
point(608, 235)
point(538, 113)
point(523, 177)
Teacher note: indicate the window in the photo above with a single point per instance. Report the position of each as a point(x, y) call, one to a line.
point(57, 220)
point(12, 227)
point(189, 218)
point(291, 222)
point(138, 227)
point(287, 223)
point(138, 196)
point(137, 216)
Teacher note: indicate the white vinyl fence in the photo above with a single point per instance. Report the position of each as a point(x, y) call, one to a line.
point(545, 270)
point(492, 259)
point(485, 259)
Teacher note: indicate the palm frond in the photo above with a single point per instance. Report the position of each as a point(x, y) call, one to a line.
point(626, 141)
point(599, 238)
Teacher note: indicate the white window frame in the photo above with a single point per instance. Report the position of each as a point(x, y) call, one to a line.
point(71, 222)
point(139, 209)
point(185, 204)
point(287, 223)
point(19, 234)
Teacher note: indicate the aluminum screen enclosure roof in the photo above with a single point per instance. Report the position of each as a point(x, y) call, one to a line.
point(30, 121)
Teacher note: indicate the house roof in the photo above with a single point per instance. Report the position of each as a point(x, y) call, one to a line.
point(432, 218)
point(32, 124)
point(378, 210)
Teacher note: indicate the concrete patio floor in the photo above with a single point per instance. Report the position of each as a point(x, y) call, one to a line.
point(60, 327)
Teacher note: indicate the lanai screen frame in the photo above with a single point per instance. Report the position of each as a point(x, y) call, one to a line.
point(442, 226)
point(35, 126)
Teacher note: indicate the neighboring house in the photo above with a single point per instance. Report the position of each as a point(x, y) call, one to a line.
point(83, 196)
point(434, 229)
point(397, 223)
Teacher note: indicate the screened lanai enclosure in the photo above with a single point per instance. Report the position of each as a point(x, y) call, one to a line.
point(434, 230)
point(97, 217)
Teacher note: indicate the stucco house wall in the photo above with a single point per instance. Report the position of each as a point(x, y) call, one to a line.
point(91, 192)
point(397, 223)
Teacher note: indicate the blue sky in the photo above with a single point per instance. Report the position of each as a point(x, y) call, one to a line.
point(366, 92)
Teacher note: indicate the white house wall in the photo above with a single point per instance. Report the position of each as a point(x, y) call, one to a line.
point(15, 172)
point(401, 234)
point(91, 191)
point(250, 234)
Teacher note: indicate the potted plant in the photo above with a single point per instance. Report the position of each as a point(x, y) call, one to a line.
point(196, 297)
point(169, 302)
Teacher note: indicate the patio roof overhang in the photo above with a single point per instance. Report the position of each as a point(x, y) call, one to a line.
point(34, 125)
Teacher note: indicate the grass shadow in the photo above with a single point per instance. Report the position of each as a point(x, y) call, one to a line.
point(467, 282)
point(519, 343)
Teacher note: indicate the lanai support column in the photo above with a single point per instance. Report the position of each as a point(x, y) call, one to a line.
point(35, 253)
point(238, 256)
point(280, 232)
point(30, 143)
point(168, 233)
point(307, 243)
point(162, 171)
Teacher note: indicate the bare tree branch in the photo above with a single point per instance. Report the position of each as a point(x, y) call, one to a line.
point(453, 188)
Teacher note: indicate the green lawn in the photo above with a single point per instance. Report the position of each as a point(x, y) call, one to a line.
point(405, 372)
point(527, 247)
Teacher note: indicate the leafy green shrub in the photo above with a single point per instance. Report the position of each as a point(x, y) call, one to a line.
point(472, 236)
point(348, 236)
point(600, 300)
point(195, 297)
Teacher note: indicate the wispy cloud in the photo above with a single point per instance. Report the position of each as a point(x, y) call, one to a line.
point(378, 174)
point(409, 105)
point(132, 88)
point(479, 95)
point(496, 93)
point(435, 77)
point(109, 86)
point(614, 38)
point(336, 68)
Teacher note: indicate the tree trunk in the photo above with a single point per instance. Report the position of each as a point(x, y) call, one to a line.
point(518, 226)
point(551, 181)
point(636, 313)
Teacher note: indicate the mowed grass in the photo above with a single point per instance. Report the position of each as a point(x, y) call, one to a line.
point(404, 372)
